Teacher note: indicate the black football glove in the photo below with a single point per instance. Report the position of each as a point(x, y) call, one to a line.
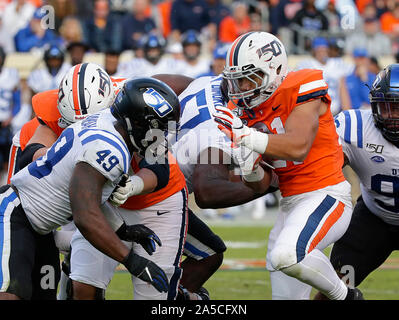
point(140, 234)
point(147, 271)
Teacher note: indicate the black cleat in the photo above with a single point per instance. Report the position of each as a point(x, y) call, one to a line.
point(203, 293)
point(184, 294)
point(354, 294)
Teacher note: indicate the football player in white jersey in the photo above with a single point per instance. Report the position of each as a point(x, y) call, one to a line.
point(370, 141)
point(206, 158)
point(153, 62)
point(50, 76)
point(75, 177)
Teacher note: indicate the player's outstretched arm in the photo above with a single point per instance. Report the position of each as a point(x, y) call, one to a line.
point(212, 185)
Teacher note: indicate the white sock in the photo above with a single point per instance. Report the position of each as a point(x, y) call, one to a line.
point(316, 270)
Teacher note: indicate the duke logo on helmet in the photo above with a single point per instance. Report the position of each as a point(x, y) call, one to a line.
point(157, 102)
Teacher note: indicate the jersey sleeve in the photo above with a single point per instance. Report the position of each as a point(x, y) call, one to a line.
point(311, 86)
point(105, 152)
point(349, 125)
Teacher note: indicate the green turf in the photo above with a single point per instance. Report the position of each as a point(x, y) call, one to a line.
point(254, 283)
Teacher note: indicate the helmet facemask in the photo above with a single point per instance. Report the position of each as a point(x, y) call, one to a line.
point(385, 109)
point(260, 83)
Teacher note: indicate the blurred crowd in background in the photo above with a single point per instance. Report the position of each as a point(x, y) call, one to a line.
point(189, 37)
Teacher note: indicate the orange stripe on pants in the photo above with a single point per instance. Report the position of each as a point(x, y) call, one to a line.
point(332, 218)
point(12, 162)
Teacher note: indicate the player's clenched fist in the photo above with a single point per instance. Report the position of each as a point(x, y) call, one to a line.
point(140, 234)
point(147, 271)
point(127, 187)
point(238, 133)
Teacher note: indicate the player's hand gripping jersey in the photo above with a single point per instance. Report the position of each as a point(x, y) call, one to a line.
point(323, 165)
point(374, 159)
point(93, 140)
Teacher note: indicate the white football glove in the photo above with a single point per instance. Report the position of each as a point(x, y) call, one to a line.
point(127, 187)
point(246, 159)
point(238, 133)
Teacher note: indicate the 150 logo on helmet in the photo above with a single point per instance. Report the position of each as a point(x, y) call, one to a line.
point(104, 81)
point(156, 101)
point(274, 47)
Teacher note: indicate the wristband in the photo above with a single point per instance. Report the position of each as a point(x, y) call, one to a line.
point(256, 141)
point(162, 171)
point(137, 185)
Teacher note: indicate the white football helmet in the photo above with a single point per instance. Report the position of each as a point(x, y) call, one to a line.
point(84, 90)
point(259, 57)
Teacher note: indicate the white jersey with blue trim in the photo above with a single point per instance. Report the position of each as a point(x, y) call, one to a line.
point(44, 184)
point(9, 82)
point(374, 159)
point(198, 130)
point(140, 67)
point(42, 80)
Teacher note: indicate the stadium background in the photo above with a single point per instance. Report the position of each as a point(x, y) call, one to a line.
point(349, 39)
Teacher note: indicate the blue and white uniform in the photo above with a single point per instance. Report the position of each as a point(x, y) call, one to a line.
point(198, 130)
point(42, 203)
point(44, 184)
point(375, 161)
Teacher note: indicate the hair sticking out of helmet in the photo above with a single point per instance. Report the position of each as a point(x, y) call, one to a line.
point(256, 65)
point(84, 90)
point(146, 104)
point(384, 99)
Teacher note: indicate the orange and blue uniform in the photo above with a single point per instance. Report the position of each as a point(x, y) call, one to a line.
point(323, 164)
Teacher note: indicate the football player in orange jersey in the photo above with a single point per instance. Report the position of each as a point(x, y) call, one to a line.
point(300, 141)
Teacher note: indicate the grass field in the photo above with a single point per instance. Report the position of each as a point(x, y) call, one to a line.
point(243, 276)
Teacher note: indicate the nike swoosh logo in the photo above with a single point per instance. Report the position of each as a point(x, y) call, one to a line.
point(275, 108)
point(161, 212)
point(246, 157)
